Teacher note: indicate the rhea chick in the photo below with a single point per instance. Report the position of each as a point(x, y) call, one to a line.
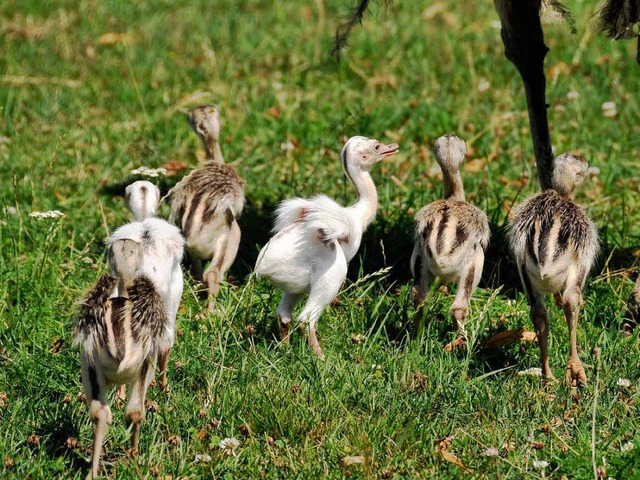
point(315, 239)
point(450, 238)
point(126, 250)
point(122, 335)
point(554, 243)
point(206, 205)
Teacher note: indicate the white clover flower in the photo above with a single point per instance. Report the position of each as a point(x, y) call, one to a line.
point(491, 452)
point(533, 372)
point(203, 457)
point(287, 146)
point(49, 214)
point(496, 25)
point(10, 210)
point(508, 116)
point(229, 445)
point(572, 95)
point(626, 447)
point(150, 172)
point(624, 382)
point(541, 464)
point(609, 109)
point(483, 85)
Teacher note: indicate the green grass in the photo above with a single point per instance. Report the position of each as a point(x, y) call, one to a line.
point(77, 116)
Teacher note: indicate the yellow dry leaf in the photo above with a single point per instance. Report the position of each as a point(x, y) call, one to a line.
point(352, 460)
point(475, 165)
point(113, 38)
point(451, 458)
point(510, 336)
point(433, 9)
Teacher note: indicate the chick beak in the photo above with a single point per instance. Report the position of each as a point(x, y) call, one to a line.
point(387, 150)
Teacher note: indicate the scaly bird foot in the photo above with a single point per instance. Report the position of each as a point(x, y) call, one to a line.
point(457, 343)
point(575, 374)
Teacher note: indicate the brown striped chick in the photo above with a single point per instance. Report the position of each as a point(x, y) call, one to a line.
point(451, 236)
point(633, 309)
point(554, 243)
point(206, 205)
point(121, 337)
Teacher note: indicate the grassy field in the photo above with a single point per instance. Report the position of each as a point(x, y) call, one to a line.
point(91, 90)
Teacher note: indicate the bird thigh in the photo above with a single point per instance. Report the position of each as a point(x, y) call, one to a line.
point(325, 286)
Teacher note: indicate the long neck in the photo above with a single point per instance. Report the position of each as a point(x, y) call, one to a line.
point(453, 187)
point(367, 202)
point(212, 148)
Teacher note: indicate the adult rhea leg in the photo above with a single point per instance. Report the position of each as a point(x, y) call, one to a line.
point(523, 40)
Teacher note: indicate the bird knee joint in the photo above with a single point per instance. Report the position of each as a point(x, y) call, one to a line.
point(100, 413)
point(418, 296)
point(134, 416)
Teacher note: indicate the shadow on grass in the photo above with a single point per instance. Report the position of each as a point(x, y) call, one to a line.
point(57, 429)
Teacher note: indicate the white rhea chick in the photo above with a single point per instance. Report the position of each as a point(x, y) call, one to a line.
point(206, 205)
point(121, 337)
point(450, 239)
point(316, 238)
point(555, 243)
point(140, 245)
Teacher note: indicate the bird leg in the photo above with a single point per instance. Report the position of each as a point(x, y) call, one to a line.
point(572, 301)
point(423, 279)
point(195, 267)
point(633, 309)
point(322, 292)
point(467, 284)
point(540, 319)
point(523, 40)
point(135, 408)
point(95, 388)
point(163, 359)
point(284, 311)
point(225, 252)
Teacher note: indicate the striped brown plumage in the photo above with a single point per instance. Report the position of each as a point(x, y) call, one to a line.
point(198, 197)
point(554, 243)
point(206, 205)
point(450, 238)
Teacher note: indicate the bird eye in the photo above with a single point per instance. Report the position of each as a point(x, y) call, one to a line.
point(376, 148)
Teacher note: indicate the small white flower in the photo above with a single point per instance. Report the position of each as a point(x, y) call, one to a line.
point(203, 457)
point(572, 95)
point(49, 214)
point(287, 146)
point(541, 464)
point(496, 25)
point(508, 116)
point(593, 171)
point(533, 372)
point(491, 452)
point(624, 382)
point(627, 447)
point(609, 109)
point(277, 85)
point(229, 445)
point(149, 172)
point(483, 85)
point(10, 210)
